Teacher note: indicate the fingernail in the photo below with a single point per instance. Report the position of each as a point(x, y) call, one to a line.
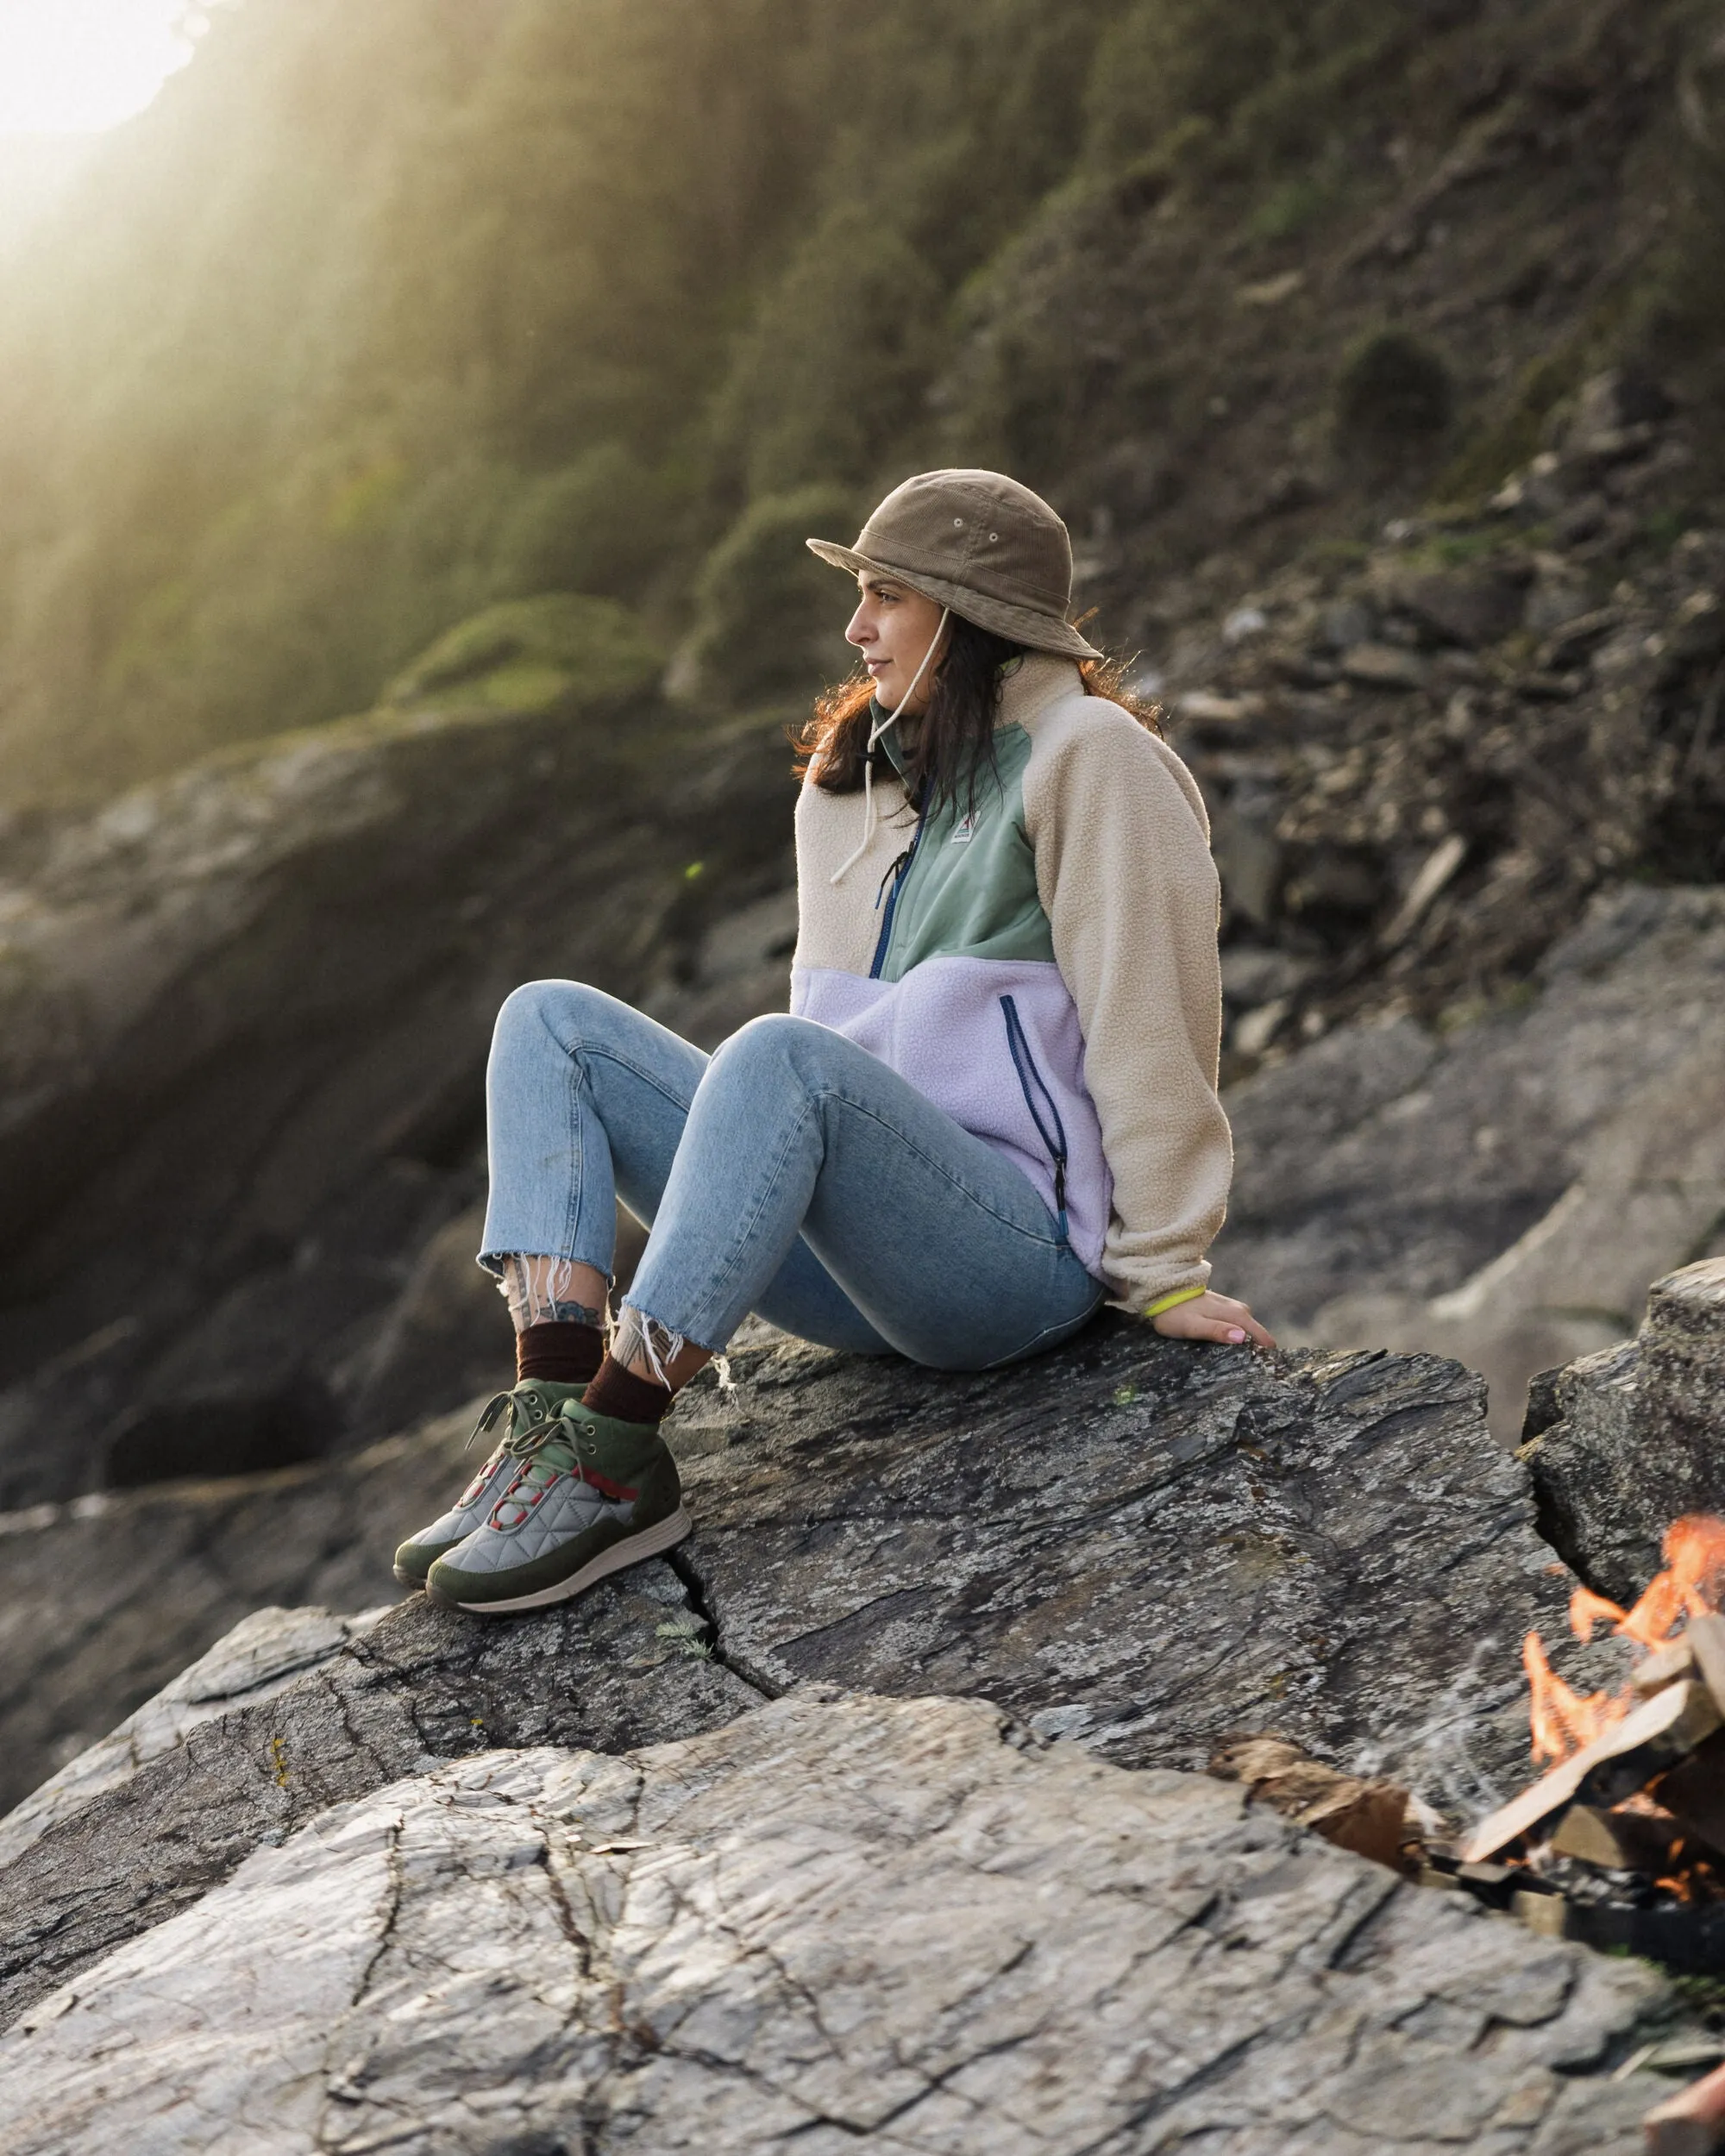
point(1234, 1333)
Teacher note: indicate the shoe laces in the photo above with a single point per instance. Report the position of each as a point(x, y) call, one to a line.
point(545, 1444)
point(548, 1449)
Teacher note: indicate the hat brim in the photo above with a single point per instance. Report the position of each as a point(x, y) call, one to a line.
point(1026, 625)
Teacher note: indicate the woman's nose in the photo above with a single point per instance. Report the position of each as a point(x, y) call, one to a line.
point(862, 630)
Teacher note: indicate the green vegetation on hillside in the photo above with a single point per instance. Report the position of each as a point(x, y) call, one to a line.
point(386, 316)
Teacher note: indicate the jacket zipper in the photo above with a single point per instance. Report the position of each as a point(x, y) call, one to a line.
point(1031, 1083)
point(899, 870)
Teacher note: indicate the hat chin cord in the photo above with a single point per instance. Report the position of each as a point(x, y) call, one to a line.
point(875, 734)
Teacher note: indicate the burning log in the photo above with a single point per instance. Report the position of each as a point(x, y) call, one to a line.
point(1621, 1840)
point(1659, 1743)
point(1657, 1735)
point(1694, 1794)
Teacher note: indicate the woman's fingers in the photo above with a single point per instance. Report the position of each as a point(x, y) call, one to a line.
point(1213, 1317)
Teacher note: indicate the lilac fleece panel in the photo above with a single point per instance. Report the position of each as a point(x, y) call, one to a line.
point(944, 1028)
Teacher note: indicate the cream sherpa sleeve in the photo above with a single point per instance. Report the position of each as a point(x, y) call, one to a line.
point(1124, 871)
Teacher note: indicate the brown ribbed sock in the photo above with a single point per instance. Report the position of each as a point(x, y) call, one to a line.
point(617, 1391)
point(560, 1353)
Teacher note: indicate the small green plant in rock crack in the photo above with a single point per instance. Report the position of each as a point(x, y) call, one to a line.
point(687, 1633)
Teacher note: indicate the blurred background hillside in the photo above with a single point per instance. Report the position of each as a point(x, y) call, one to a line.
point(380, 315)
point(409, 426)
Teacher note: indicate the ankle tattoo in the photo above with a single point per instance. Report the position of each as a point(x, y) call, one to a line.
point(538, 1292)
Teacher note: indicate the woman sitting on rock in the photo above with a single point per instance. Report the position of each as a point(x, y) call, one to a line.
point(991, 1106)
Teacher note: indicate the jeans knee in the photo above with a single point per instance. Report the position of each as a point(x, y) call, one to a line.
point(564, 1009)
point(776, 1042)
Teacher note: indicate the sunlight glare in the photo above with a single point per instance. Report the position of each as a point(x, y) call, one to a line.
point(73, 66)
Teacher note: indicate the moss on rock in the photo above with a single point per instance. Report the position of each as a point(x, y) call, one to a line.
point(530, 654)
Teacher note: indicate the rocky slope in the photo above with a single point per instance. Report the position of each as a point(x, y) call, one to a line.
point(1424, 753)
point(661, 1863)
point(1145, 1546)
point(1500, 1190)
point(107, 1598)
point(277, 1133)
point(246, 1016)
point(725, 1944)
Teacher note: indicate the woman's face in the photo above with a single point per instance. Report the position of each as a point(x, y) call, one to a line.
point(893, 627)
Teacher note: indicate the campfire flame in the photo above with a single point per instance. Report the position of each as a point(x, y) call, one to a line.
point(1562, 1721)
point(1692, 1583)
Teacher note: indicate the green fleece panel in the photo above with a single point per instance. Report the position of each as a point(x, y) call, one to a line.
point(975, 896)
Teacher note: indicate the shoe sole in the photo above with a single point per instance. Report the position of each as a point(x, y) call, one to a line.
point(652, 1542)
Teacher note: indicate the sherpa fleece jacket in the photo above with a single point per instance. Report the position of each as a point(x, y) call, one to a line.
point(1043, 965)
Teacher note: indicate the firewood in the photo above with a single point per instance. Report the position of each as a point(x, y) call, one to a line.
point(1369, 1817)
point(1664, 1668)
point(1654, 1737)
point(1616, 1842)
point(1706, 1638)
point(1693, 1791)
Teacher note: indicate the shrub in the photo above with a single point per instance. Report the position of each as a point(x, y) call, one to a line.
point(598, 524)
point(769, 618)
point(1395, 397)
point(528, 654)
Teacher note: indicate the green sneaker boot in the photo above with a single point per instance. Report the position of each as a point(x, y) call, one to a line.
point(530, 1406)
point(591, 1495)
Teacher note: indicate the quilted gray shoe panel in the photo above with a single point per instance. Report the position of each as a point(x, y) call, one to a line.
point(530, 1523)
point(524, 1409)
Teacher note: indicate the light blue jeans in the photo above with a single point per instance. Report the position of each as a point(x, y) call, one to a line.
point(791, 1174)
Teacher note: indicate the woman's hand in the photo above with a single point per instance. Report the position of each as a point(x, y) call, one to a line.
point(1213, 1316)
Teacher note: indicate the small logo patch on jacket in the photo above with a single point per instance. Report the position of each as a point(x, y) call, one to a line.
point(963, 831)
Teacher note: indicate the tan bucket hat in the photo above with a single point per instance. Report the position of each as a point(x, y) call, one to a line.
point(980, 543)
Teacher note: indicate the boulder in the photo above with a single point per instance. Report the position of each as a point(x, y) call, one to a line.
point(1621, 1443)
point(260, 1657)
point(626, 1666)
point(105, 1599)
point(833, 1923)
point(1145, 1545)
point(244, 1014)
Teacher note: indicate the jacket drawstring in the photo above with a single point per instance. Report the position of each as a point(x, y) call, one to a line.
point(875, 734)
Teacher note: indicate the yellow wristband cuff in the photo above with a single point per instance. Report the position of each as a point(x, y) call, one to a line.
point(1170, 1302)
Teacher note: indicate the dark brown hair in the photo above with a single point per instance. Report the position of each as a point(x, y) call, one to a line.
point(953, 744)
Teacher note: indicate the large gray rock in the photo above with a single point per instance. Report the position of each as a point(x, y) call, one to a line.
point(1502, 1193)
point(1621, 1443)
point(105, 1600)
point(626, 1666)
point(260, 1657)
point(244, 1013)
point(1147, 1544)
point(833, 1923)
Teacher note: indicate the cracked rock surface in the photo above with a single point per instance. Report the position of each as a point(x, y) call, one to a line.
point(105, 1600)
point(622, 1667)
point(1145, 1544)
point(725, 1943)
point(260, 1657)
point(1621, 1443)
